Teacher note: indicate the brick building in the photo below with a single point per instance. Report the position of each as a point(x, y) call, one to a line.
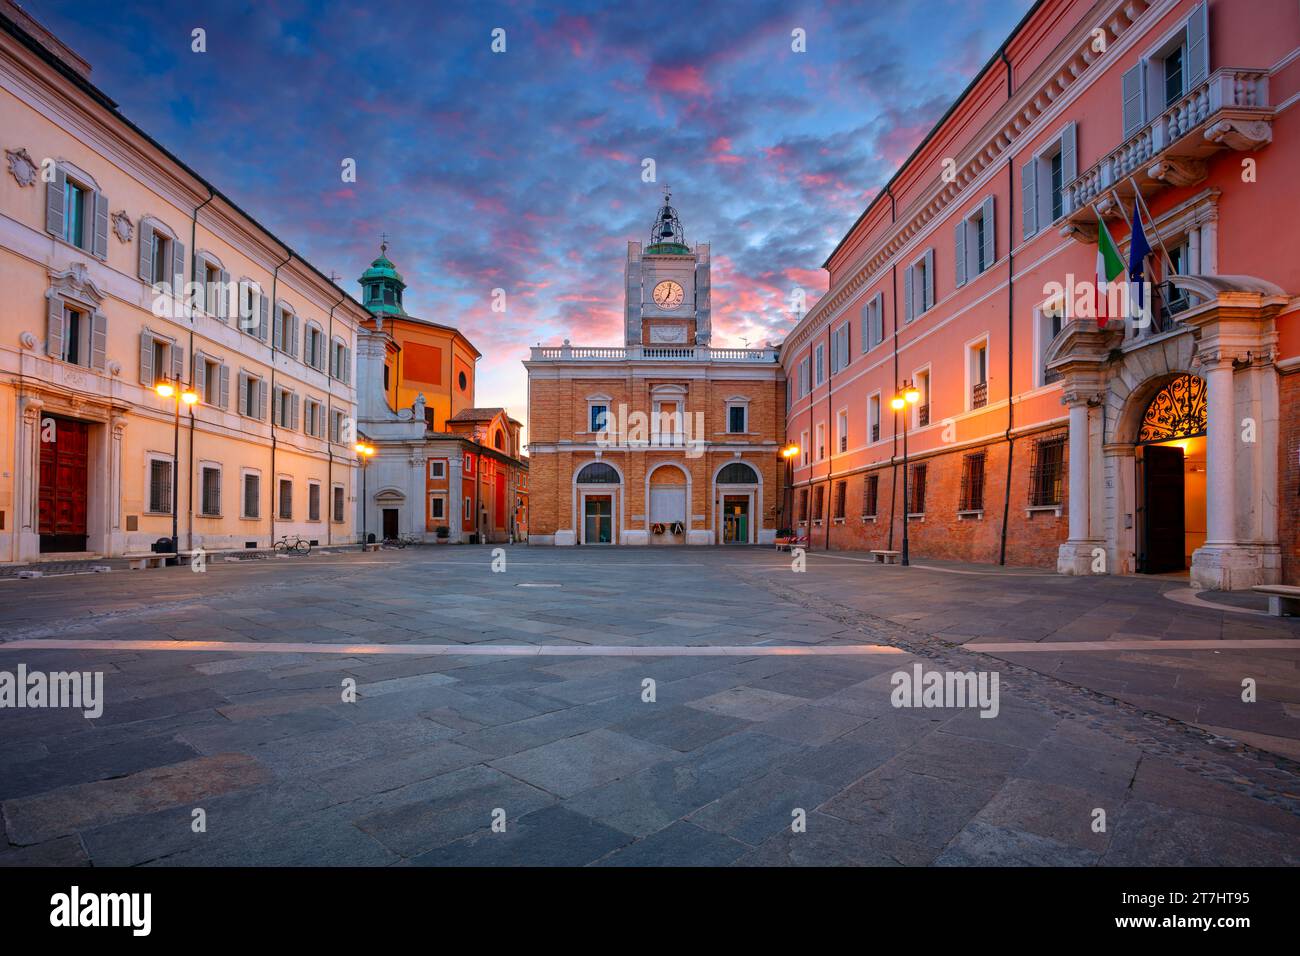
point(664, 440)
point(1163, 442)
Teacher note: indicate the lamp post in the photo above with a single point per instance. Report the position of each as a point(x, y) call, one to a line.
point(788, 453)
point(365, 453)
point(899, 403)
point(179, 396)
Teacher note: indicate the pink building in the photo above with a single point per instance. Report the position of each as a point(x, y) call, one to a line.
point(1041, 436)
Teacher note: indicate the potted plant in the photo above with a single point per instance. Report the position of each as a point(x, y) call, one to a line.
point(444, 534)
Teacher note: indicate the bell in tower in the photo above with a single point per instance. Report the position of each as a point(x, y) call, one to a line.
point(667, 235)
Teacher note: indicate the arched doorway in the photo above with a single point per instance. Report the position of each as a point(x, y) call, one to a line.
point(597, 485)
point(736, 500)
point(667, 497)
point(1171, 476)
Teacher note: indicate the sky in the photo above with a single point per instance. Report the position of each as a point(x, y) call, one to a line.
point(523, 170)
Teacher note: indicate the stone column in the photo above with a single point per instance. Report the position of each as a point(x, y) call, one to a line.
point(1221, 474)
point(1079, 554)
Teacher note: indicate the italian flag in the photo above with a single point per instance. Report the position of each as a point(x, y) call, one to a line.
point(1110, 266)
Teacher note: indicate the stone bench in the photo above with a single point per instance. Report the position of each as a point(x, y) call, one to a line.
point(885, 557)
point(143, 560)
point(1283, 599)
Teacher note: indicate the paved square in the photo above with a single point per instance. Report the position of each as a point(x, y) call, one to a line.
point(647, 707)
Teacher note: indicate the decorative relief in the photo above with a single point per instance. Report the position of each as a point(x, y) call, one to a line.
point(21, 166)
point(667, 333)
point(123, 228)
point(1177, 411)
point(1179, 172)
point(27, 340)
point(1240, 134)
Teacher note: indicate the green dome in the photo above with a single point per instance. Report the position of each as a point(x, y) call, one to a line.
point(382, 268)
point(382, 286)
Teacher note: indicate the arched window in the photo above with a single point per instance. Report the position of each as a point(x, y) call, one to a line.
point(737, 473)
point(1176, 411)
point(598, 473)
point(499, 440)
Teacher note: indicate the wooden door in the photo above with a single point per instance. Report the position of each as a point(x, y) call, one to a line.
point(65, 446)
point(1163, 539)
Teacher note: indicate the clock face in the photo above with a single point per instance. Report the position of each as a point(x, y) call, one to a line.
point(668, 294)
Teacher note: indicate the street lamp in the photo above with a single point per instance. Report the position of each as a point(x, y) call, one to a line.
point(899, 403)
point(179, 395)
point(365, 452)
point(788, 453)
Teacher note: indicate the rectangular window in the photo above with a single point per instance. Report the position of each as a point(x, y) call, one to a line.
point(803, 377)
point(803, 504)
point(842, 429)
point(468, 465)
point(160, 486)
point(916, 491)
point(972, 483)
point(437, 468)
point(210, 496)
point(873, 416)
point(599, 418)
point(252, 496)
point(76, 331)
point(1174, 76)
point(978, 374)
point(736, 419)
point(285, 512)
point(1057, 186)
point(1047, 471)
point(469, 510)
point(873, 322)
point(821, 442)
point(313, 501)
point(841, 492)
point(870, 495)
point(803, 445)
point(338, 504)
point(74, 214)
point(160, 257)
point(820, 362)
point(840, 356)
point(437, 507)
point(922, 383)
point(819, 502)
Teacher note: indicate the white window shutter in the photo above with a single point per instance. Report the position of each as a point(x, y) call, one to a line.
point(54, 203)
point(1069, 154)
point(347, 365)
point(99, 245)
point(1029, 197)
point(223, 301)
point(178, 264)
point(1133, 88)
point(98, 340)
point(261, 399)
point(1198, 46)
point(835, 351)
point(908, 296)
point(294, 325)
point(989, 225)
point(224, 401)
point(54, 327)
point(878, 319)
point(146, 359)
point(929, 279)
point(961, 252)
point(264, 322)
point(145, 270)
point(178, 362)
point(293, 412)
point(241, 400)
point(277, 330)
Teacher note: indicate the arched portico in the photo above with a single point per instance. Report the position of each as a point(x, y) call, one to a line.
point(668, 503)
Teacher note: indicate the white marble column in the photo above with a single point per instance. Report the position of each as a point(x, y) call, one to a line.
point(1221, 475)
point(1079, 471)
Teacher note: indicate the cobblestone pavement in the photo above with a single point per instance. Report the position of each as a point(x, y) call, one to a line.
point(583, 770)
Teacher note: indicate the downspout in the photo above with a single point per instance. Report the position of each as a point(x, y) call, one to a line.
point(893, 451)
point(329, 420)
point(194, 220)
point(1011, 338)
point(827, 504)
point(275, 280)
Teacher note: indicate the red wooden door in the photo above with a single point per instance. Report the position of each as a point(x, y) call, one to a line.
point(62, 523)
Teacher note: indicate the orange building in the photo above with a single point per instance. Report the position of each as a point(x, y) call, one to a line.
point(440, 462)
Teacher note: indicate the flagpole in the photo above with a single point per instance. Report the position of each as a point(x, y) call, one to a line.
point(1139, 201)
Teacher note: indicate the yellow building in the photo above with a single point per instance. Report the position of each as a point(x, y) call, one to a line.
point(122, 269)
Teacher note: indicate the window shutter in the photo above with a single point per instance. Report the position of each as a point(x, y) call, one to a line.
point(1133, 87)
point(961, 253)
point(277, 333)
point(178, 263)
point(223, 302)
point(1198, 47)
point(294, 323)
point(99, 247)
point(264, 321)
point(198, 369)
point(225, 386)
point(146, 249)
point(989, 225)
point(54, 203)
point(347, 365)
point(1069, 154)
point(98, 340)
point(54, 327)
point(929, 279)
point(835, 351)
point(261, 400)
point(147, 377)
point(1029, 197)
point(878, 319)
point(909, 304)
point(242, 402)
point(293, 413)
point(178, 362)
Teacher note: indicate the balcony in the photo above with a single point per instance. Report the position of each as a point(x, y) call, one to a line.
point(1230, 110)
point(652, 353)
point(979, 395)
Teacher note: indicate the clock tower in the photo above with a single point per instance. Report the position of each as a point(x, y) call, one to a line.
point(667, 286)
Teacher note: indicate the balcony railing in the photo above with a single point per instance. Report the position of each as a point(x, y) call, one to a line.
point(923, 415)
point(979, 395)
point(1229, 110)
point(652, 353)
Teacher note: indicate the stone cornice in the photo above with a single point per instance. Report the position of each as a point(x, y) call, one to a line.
point(991, 145)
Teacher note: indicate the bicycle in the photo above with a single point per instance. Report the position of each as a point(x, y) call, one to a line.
point(399, 542)
point(292, 545)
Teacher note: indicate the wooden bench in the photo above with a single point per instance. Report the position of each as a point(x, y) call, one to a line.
point(143, 560)
point(885, 557)
point(1283, 599)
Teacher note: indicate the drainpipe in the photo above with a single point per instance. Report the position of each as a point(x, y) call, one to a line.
point(329, 419)
point(1011, 338)
point(194, 221)
point(827, 504)
point(893, 450)
point(275, 281)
